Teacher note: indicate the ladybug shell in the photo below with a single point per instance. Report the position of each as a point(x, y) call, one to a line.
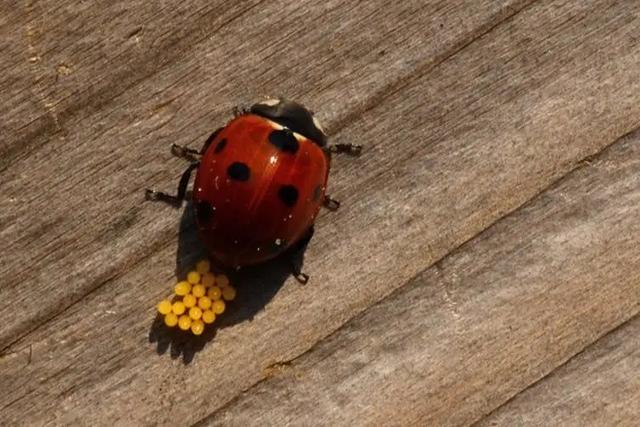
point(257, 190)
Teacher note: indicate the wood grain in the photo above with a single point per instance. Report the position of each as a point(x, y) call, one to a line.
point(156, 76)
point(484, 323)
point(21, 105)
point(598, 387)
point(82, 57)
point(514, 99)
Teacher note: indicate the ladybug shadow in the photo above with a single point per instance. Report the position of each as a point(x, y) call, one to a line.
point(255, 286)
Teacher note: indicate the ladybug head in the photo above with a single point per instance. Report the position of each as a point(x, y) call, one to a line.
point(293, 116)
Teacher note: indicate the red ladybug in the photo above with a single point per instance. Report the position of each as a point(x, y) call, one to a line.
point(260, 182)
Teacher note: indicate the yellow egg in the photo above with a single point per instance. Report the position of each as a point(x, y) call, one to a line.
point(203, 266)
point(189, 300)
point(204, 303)
point(218, 306)
point(229, 293)
point(193, 277)
point(222, 280)
point(178, 307)
point(208, 279)
point(164, 306)
point(171, 320)
point(214, 293)
point(208, 316)
point(182, 288)
point(198, 291)
point(197, 327)
point(195, 313)
point(184, 322)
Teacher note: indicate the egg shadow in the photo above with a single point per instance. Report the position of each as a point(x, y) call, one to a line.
point(255, 286)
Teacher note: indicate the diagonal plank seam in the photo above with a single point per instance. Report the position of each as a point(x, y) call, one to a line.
point(376, 98)
point(571, 358)
point(396, 86)
point(277, 367)
point(107, 278)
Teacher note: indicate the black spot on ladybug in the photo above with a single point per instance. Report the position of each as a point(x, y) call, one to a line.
point(284, 140)
point(316, 193)
point(220, 146)
point(238, 171)
point(288, 194)
point(204, 212)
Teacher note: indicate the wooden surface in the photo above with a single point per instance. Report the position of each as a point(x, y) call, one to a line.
point(488, 235)
point(485, 322)
point(598, 387)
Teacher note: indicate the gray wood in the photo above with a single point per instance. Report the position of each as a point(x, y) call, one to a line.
point(71, 206)
point(598, 387)
point(503, 103)
point(486, 322)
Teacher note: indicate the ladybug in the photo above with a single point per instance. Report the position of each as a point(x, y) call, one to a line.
point(260, 183)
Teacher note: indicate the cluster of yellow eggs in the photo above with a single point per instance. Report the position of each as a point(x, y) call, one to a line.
point(198, 299)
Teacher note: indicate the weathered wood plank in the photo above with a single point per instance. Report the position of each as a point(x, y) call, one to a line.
point(598, 387)
point(486, 322)
point(130, 93)
point(509, 114)
point(81, 57)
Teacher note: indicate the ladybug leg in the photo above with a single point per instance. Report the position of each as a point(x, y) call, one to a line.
point(184, 152)
point(191, 154)
point(302, 278)
point(240, 110)
point(182, 189)
point(295, 257)
point(350, 149)
point(330, 203)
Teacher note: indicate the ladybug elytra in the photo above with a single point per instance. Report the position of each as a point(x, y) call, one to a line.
point(260, 182)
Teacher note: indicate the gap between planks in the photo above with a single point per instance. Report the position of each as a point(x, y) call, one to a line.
point(591, 346)
point(396, 86)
